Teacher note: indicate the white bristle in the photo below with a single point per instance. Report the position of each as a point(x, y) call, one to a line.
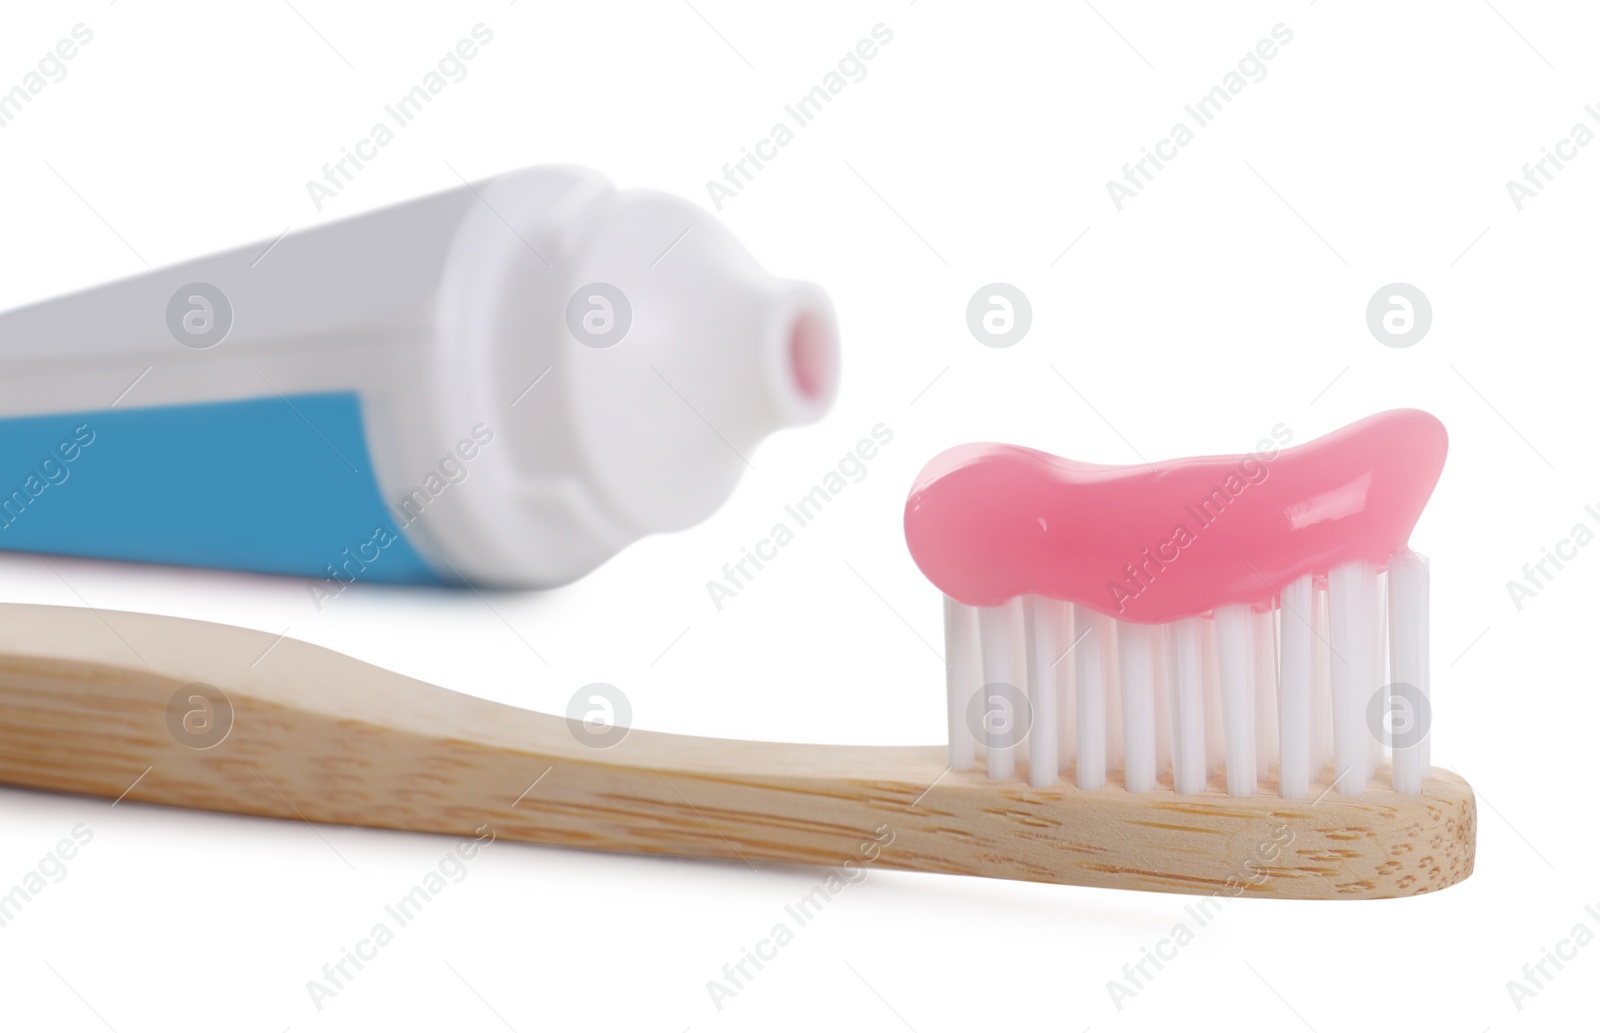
point(1295, 766)
point(1091, 692)
point(1287, 697)
point(1004, 650)
point(962, 679)
point(1213, 694)
point(1066, 700)
point(1266, 678)
point(1162, 664)
point(1321, 688)
point(1045, 625)
point(1351, 639)
point(1110, 664)
point(1236, 659)
point(1377, 664)
point(1188, 707)
point(1138, 681)
point(1408, 662)
point(1378, 676)
point(1424, 669)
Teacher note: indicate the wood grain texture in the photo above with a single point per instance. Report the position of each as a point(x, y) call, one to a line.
point(86, 707)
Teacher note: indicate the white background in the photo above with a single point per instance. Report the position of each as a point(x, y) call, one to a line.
point(1227, 297)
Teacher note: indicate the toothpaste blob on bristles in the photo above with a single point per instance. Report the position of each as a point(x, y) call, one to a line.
point(1207, 602)
point(1178, 538)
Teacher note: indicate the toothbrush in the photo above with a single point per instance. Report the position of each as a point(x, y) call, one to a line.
point(161, 710)
point(504, 384)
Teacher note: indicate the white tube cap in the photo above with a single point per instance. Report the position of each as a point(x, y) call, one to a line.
point(668, 353)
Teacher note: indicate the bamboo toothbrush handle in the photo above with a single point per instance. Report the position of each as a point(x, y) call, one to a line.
point(130, 706)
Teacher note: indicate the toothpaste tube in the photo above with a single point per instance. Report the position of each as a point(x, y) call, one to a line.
point(502, 384)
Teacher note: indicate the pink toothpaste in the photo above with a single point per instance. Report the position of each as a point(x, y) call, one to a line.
point(1178, 538)
point(1248, 617)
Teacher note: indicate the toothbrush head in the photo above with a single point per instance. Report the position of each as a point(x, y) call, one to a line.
point(1256, 617)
